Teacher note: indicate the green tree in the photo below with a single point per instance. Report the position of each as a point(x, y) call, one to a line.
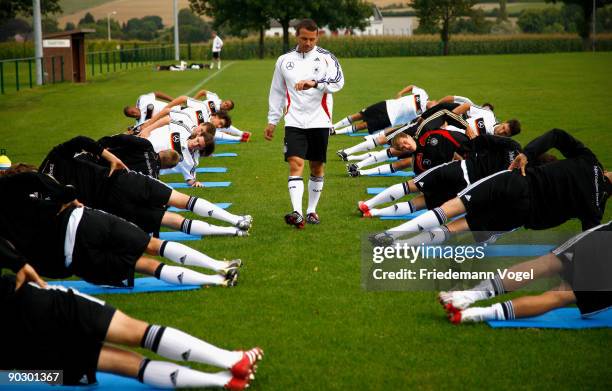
point(87, 19)
point(11, 8)
point(49, 25)
point(69, 26)
point(441, 14)
point(585, 24)
point(503, 12)
point(192, 28)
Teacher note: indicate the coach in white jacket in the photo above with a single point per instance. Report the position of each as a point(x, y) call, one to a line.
point(304, 79)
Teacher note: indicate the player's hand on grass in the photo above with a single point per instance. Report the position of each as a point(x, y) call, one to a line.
point(28, 274)
point(195, 184)
point(519, 162)
point(269, 132)
point(303, 85)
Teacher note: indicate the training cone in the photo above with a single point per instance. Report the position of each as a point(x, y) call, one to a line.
point(5, 162)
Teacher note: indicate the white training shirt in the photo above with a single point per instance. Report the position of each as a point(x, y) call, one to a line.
point(207, 107)
point(174, 136)
point(148, 106)
point(310, 108)
point(482, 120)
point(405, 109)
point(217, 44)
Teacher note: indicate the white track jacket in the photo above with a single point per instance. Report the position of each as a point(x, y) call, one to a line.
point(305, 109)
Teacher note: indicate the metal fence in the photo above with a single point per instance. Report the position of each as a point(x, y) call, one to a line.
point(17, 73)
point(112, 61)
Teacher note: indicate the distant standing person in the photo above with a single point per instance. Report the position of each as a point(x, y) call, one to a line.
point(217, 45)
point(304, 79)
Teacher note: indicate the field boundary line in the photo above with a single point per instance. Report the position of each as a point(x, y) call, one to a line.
point(200, 84)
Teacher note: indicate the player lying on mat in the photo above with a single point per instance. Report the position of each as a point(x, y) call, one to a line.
point(481, 120)
point(61, 238)
point(535, 198)
point(54, 328)
point(387, 113)
point(583, 262)
point(489, 154)
point(146, 106)
point(131, 195)
point(428, 145)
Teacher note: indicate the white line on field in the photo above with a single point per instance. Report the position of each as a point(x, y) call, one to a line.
point(200, 84)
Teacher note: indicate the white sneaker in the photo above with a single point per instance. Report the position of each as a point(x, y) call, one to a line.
point(245, 223)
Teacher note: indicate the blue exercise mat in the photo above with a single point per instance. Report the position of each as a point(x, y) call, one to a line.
point(404, 217)
point(222, 142)
point(141, 285)
point(224, 154)
point(181, 185)
point(177, 236)
point(203, 170)
point(561, 318)
point(106, 382)
point(358, 134)
point(375, 190)
point(396, 173)
point(222, 205)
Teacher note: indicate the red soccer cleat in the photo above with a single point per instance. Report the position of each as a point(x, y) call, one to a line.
point(454, 317)
point(245, 137)
point(236, 383)
point(248, 364)
point(363, 207)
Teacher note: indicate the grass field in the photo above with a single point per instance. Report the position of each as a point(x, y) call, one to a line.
point(299, 295)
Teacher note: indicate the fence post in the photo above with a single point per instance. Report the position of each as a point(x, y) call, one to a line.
point(42, 66)
point(30, 71)
point(93, 65)
point(53, 69)
point(62, 65)
point(100, 61)
point(114, 63)
point(107, 63)
point(17, 75)
point(1, 77)
point(189, 51)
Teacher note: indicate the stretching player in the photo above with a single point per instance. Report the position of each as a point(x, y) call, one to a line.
point(147, 105)
point(385, 114)
point(213, 104)
point(61, 238)
point(583, 262)
point(54, 328)
point(489, 154)
point(131, 195)
point(536, 198)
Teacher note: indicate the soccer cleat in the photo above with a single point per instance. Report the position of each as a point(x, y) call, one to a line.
point(363, 207)
point(245, 137)
point(295, 219)
point(332, 131)
point(231, 277)
point(245, 223)
point(248, 363)
point(352, 170)
point(457, 299)
point(234, 263)
point(367, 214)
point(342, 155)
point(469, 315)
point(381, 239)
point(313, 218)
point(241, 233)
point(237, 383)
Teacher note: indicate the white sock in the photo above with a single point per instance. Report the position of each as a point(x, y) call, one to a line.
point(176, 345)
point(177, 275)
point(201, 207)
point(315, 187)
point(219, 65)
point(499, 311)
point(390, 194)
point(296, 191)
point(356, 158)
point(184, 255)
point(169, 375)
point(346, 130)
point(399, 209)
point(197, 227)
point(436, 235)
point(367, 145)
point(376, 157)
point(219, 135)
point(384, 169)
point(234, 131)
point(346, 121)
point(425, 222)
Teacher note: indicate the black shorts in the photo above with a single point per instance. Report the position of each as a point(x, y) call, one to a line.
point(376, 116)
point(53, 329)
point(140, 199)
point(107, 248)
point(216, 55)
point(308, 144)
point(441, 183)
point(497, 203)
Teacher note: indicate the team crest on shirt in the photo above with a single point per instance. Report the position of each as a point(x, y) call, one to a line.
point(433, 142)
point(290, 65)
point(200, 117)
point(426, 162)
point(480, 125)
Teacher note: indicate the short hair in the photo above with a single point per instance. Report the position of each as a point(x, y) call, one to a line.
point(515, 126)
point(232, 102)
point(209, 148)
point(126, 111)
point(307, 24)
point(490, 106)
point(397, 138)
point(209, 128)
point(18, 168)
point(169, 158)
point(222, 114)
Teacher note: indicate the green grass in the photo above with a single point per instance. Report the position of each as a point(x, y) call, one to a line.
point(299, 295)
